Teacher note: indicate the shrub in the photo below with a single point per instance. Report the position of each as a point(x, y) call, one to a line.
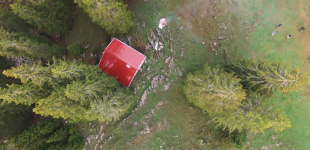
point(75, 49)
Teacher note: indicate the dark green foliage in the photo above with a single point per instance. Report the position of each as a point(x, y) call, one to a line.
point(237, 138)
point(12, 22)
point(48, 134)
point(13, 119)
point(263, 77)
point(214, 90)
point(75, 49)
point(111, 15)
point(68, 90)
point(4, 64)
point(220, 95)
point(49, 16)
point(18, 44)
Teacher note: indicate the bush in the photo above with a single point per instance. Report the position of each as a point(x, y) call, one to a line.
point(237, 139)
point(75, 49)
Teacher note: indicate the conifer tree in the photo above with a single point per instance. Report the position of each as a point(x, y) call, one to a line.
point(49, 16)
point(68, 90)
point(58, 105)
point(13, 22)
point(13, 119)
point(36, 73)
point(26, 94)
point(111, 106)
point(255, 115)
point(111, 15)
point(214, 90)
point(49, 135)
point(263, 77)
point(25, 45)
point(221, 95)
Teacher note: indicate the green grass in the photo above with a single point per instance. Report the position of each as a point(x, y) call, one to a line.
point(179, 125)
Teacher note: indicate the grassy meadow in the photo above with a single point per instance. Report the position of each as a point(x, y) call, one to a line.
point(192, 39)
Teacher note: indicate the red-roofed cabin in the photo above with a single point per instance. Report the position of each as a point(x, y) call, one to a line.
point(121, 61)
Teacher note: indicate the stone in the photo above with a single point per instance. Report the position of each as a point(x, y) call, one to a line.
point(171, 64)
point(222, 37)
point(135, 124)
point(180, 73)
point(149, 68)
point(146, 130)
point(182, 53)
point(129, 40)
point(167, 86)
point(154, 82)
point(143, 98)
point(167, 59)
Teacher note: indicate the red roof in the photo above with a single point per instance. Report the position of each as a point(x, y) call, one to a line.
point(121, 61)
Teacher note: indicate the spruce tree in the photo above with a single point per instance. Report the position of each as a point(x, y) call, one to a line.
point(111, 15)
point(221, 95)
point(17, 44)
point(49, 16)
point(26, 94)
point(263, 77)
point(68, 90)
point(255, 115)
point(214, 90)
point(49, 135)
point(13, 22)
point(13, 119)
point(37, 74)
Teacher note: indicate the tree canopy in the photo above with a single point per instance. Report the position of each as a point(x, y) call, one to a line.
point(69, 90)
point(13, 119)
point(12, 22)
point(111, 15)
point(254, 115)
point(17, 44)
point(47, 134)
point(263, 77)
point(221, 95)
point(49, 16)
point(214, 90)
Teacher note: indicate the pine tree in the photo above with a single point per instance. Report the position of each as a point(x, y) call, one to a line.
point(264, 77)
point(26, 94)
point(13, 119)
point(221, 95)
point(111, 15)
point(36, 73)
point(47, 134)
point(67, 90)
point(214, 90)
point(58, 105)
point(255, 115)
point(25, 45)
point(49, 16)
point(67, 70)
point(111, 106)
point(13, 22)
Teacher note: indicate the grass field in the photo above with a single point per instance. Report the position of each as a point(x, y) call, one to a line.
point(194, 29)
